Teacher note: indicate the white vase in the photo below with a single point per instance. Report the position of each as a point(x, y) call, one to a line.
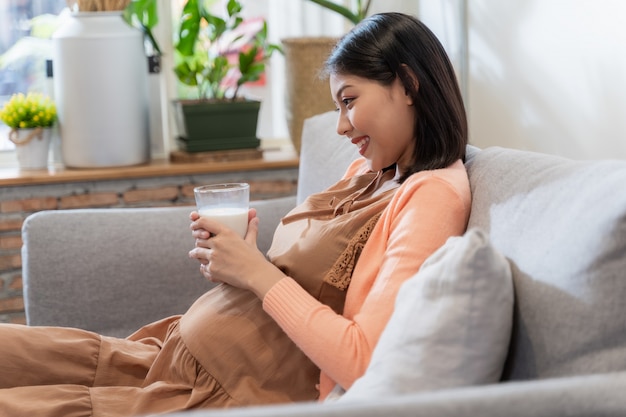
point(32, 147)
point(100, 86)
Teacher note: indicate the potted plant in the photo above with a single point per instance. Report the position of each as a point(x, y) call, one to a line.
point(30, 118)
point(304, 57)
point(216, 57)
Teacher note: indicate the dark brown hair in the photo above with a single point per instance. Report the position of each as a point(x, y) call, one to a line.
point(389, 45)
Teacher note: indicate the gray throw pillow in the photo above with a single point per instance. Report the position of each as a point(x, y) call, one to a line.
point(450, 327)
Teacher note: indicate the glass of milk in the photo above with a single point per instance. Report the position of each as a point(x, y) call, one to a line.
point(227, 203)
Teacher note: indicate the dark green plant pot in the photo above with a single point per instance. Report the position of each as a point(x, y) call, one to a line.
point(217, 125)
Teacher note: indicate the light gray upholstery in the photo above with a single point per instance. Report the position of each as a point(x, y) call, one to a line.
point(114, 270)
point(325, 155)
point(107, 270)
point(588, 396)
point(560, 223)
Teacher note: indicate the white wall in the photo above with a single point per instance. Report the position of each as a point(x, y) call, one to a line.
point(547, 75)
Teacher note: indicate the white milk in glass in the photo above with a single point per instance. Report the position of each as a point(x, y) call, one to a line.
point(235, 218)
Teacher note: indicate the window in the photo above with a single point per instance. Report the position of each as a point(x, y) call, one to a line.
point(25, 30)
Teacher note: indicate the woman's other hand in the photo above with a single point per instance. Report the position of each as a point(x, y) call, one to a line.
point(225, 257)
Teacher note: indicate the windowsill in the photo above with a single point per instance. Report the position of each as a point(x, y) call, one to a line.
point(274, 157)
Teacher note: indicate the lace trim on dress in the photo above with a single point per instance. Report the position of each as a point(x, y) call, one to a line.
point(340, 274)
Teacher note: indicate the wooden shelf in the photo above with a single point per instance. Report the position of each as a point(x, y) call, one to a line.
point(272, 159)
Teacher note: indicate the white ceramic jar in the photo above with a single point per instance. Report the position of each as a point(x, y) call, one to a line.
point(100, 86)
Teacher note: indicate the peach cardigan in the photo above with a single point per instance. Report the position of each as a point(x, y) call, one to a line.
point(425, 211)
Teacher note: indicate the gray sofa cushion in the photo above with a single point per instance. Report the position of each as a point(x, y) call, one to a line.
point(114, 270)
point(108, 270)
point(450, 326)
point(327, 155)
point(583, 396)
point(567, 248)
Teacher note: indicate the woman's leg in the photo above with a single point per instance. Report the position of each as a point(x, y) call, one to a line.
point(46, 401)
point(81, 401)
point(55, 355)
point(46, 355)
point(175, 381)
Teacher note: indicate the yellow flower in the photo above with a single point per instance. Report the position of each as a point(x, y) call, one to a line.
point(30, 110)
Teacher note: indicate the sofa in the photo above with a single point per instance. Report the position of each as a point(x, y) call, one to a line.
point(534, 302)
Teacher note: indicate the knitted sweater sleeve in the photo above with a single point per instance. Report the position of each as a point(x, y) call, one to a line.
point(424, 212)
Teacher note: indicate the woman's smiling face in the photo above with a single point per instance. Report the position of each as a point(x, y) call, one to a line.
point(379, 119)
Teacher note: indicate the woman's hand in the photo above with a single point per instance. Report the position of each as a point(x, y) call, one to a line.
point(225, 257)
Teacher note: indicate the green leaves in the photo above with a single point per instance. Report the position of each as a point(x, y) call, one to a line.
point(234, 8)
point(353, 16)
point(189, 28)
point(205, 43)
point(143, 14)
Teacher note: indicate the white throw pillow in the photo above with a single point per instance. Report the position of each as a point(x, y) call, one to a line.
point(450, 327)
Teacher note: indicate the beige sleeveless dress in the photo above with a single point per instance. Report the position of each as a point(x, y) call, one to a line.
point(224, 351)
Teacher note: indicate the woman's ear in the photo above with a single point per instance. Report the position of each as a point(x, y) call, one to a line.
point(410, 82)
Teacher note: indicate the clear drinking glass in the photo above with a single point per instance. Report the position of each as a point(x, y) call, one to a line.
point(226, 203)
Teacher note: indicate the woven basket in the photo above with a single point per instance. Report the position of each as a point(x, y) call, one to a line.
point(306, 94)
point(97, 5)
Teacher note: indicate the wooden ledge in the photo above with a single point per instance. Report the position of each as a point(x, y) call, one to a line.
point(271, 159)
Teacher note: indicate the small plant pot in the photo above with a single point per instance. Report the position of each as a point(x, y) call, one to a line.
point(206, 126)
point(32, 147)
